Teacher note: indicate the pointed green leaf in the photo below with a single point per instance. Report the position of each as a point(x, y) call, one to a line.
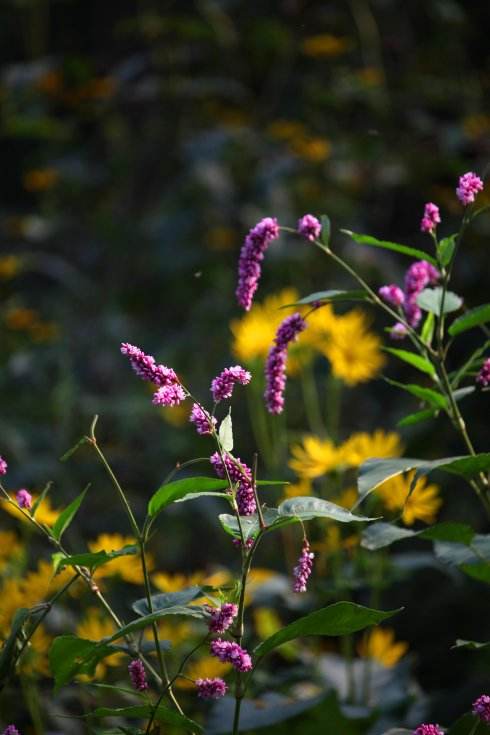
point(324, 297)
point(386, 245)
point(8, 650)
point(425, 394)
point(427, 331)
point(172, 491)
point(308, 507)
point(70, 655)
point(417, 417)
point(64, 520)
point(445, 249)
point(40, 499)
point(226, 434)
point(326, 230)
point(472, 318)
point(413, 359)
point(479, 571)
point(430, 299)
point(341, 618)
point(91, 560)
point(146, 620)
point(167, 599)
point(141, 711)
point(379, 535)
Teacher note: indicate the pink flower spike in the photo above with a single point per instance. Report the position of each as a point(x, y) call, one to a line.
point(469, 186)
point(428, 730)
point(24, 499)
point(309, 227)
point(481, 708)
point(137, 674)
point(222, 617)
point(222, 386)
point(211, 688)
point(483, 377)
point(303, 569)
point(431, 218)
point(11, 730)
point(232, 653)
point(3, 466)
point(392, 294)
point(169, 395)
point(202, 420)
point(275, 368)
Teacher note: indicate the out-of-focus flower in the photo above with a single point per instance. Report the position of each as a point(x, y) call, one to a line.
point(254, 332)
point(175, 415)
point(311, 148)
point(347, 498)
point(275, 370)
point(380, 645)
point(354, 352)
point(10, 548)
point(431, 217)
point(220, 238)
point(10, 266)
point(45, 514)
point(325, 45)
point(231, 652)
point(222, 386)
point(469, 186)
point(176, 631)
point(298, 489)
point(392, 294)
point(315, 457)
point(211, 688)
point(309, 227)
point(483, 377)
point(137, 674)
point(24, 499)
point(126, 567)
point(303, 569)
point(398, 331)
point(21, 318)
point(206, 667)
point(481, 708)
point(267, 622)
point(3, 466)
point(423, 503)
point(428, 729)
point(41, 179)
point(175, 582)
point(361, 446)
point(476, 126)
point(11, 730)
point(251, 255)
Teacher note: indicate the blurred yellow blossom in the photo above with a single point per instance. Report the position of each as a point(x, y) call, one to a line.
point(127, 567)
point(207, 667)
point(423, 504)
point(267, 622)
point(10, 548)
point(476, 126)
point(220, 238)
point(166, 582)
point(10, 266)
point(325, 45)
point(34, 658)
point(333, 540)
point(347, 498)
point(20, 318)
point(315, 457)
point(370, 76)
point(254, 333)
point(40, 179)
point(44, 514)
point(176, 415)
point(93, 627)
point(361, 446)
point(298, 489)
point(312, 148)
point(353, 351)
point(175, 631)
point(286, 129)
point(379, 644)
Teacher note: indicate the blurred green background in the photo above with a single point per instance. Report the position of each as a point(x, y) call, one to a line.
point(139, 142)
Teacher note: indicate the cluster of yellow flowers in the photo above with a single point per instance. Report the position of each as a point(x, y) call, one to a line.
point(352, 349)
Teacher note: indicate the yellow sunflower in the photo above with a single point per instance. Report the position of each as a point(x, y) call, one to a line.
point(422, 505)
point(361, 446)
point(315, 457)
point(379, 644)
point(127, 567)
point(354, 352)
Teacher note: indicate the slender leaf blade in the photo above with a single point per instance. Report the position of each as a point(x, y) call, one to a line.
point(417, 417)
point(417, 361)
point(172, 491)
point(386, 245)
point(67, 516)
point(428, 395)
point(473, 318)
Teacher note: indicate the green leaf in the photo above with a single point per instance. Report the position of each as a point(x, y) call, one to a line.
point(251, 525)
point(386, 245)
point(374, 472)
point(472, 318)
point(333, 295)
point(474, 645)
point(308, 507)
point(417, 417)
point(479, 571)
point(64, 520)
point(91, 560)
point(457, 533)
point(428, 395)
point(40, 499)
point(427, 331)
point(413, 359)
point(341, 618)
point(70, 655)
point(9, 644)
point(226, 434)
point(445, 249)
point(326, 230)
point(430, 299)
point(379, 535)
point(179, 489)
point(167, 599)
point(140, 711)
point(467, 725)
point(146, 620)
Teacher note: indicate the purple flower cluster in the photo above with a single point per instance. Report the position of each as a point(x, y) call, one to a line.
point(222, 386)
point(275, 369)
point(398, 331)
point(222, 617)
point(11, 730)
point(417, 277)
point(211, 688)
point(428, 730)
point(238, 542)
point(230, 652)
point(3, 466)
point(469, 186)
point(239, 474)
point(392, 294)
point(431, 218)
point(303, 569)
point(481, 708)
point(137, 674)
point(309, 227)
point(202, 420)
point(170, 392)
point(483, 377)
point(251, 256)
point(24, 499)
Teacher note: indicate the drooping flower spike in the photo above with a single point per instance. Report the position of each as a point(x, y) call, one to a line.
point(481, 708)
point(232, 653)
point(469, 186)
point(211, 688)
point(202, 420)
point(251, 256)
point(392, 294)
point(431, 218)
point(240, 475)
point(24, 499)
point(309, 227)
point(137, 674)
point(3, 466)
point(222, 386)
point(169, 392)
point(303, 569)
point(275, 369)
